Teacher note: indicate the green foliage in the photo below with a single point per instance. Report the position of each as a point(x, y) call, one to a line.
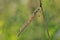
point(13, 14)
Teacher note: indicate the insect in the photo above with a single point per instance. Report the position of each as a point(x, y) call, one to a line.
point(31, 18)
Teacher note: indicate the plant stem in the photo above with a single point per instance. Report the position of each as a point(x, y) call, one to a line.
point(45, 23)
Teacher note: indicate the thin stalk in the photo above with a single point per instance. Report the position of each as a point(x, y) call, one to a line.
point(45, 23)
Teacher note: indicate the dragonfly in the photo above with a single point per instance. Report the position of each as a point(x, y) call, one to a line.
point(40, 8)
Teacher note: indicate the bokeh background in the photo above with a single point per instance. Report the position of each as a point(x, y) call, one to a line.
point(14, 13)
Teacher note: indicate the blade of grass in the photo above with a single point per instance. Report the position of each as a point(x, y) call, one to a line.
point(45, 23)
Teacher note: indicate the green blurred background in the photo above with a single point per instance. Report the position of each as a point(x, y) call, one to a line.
point(14, 13)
